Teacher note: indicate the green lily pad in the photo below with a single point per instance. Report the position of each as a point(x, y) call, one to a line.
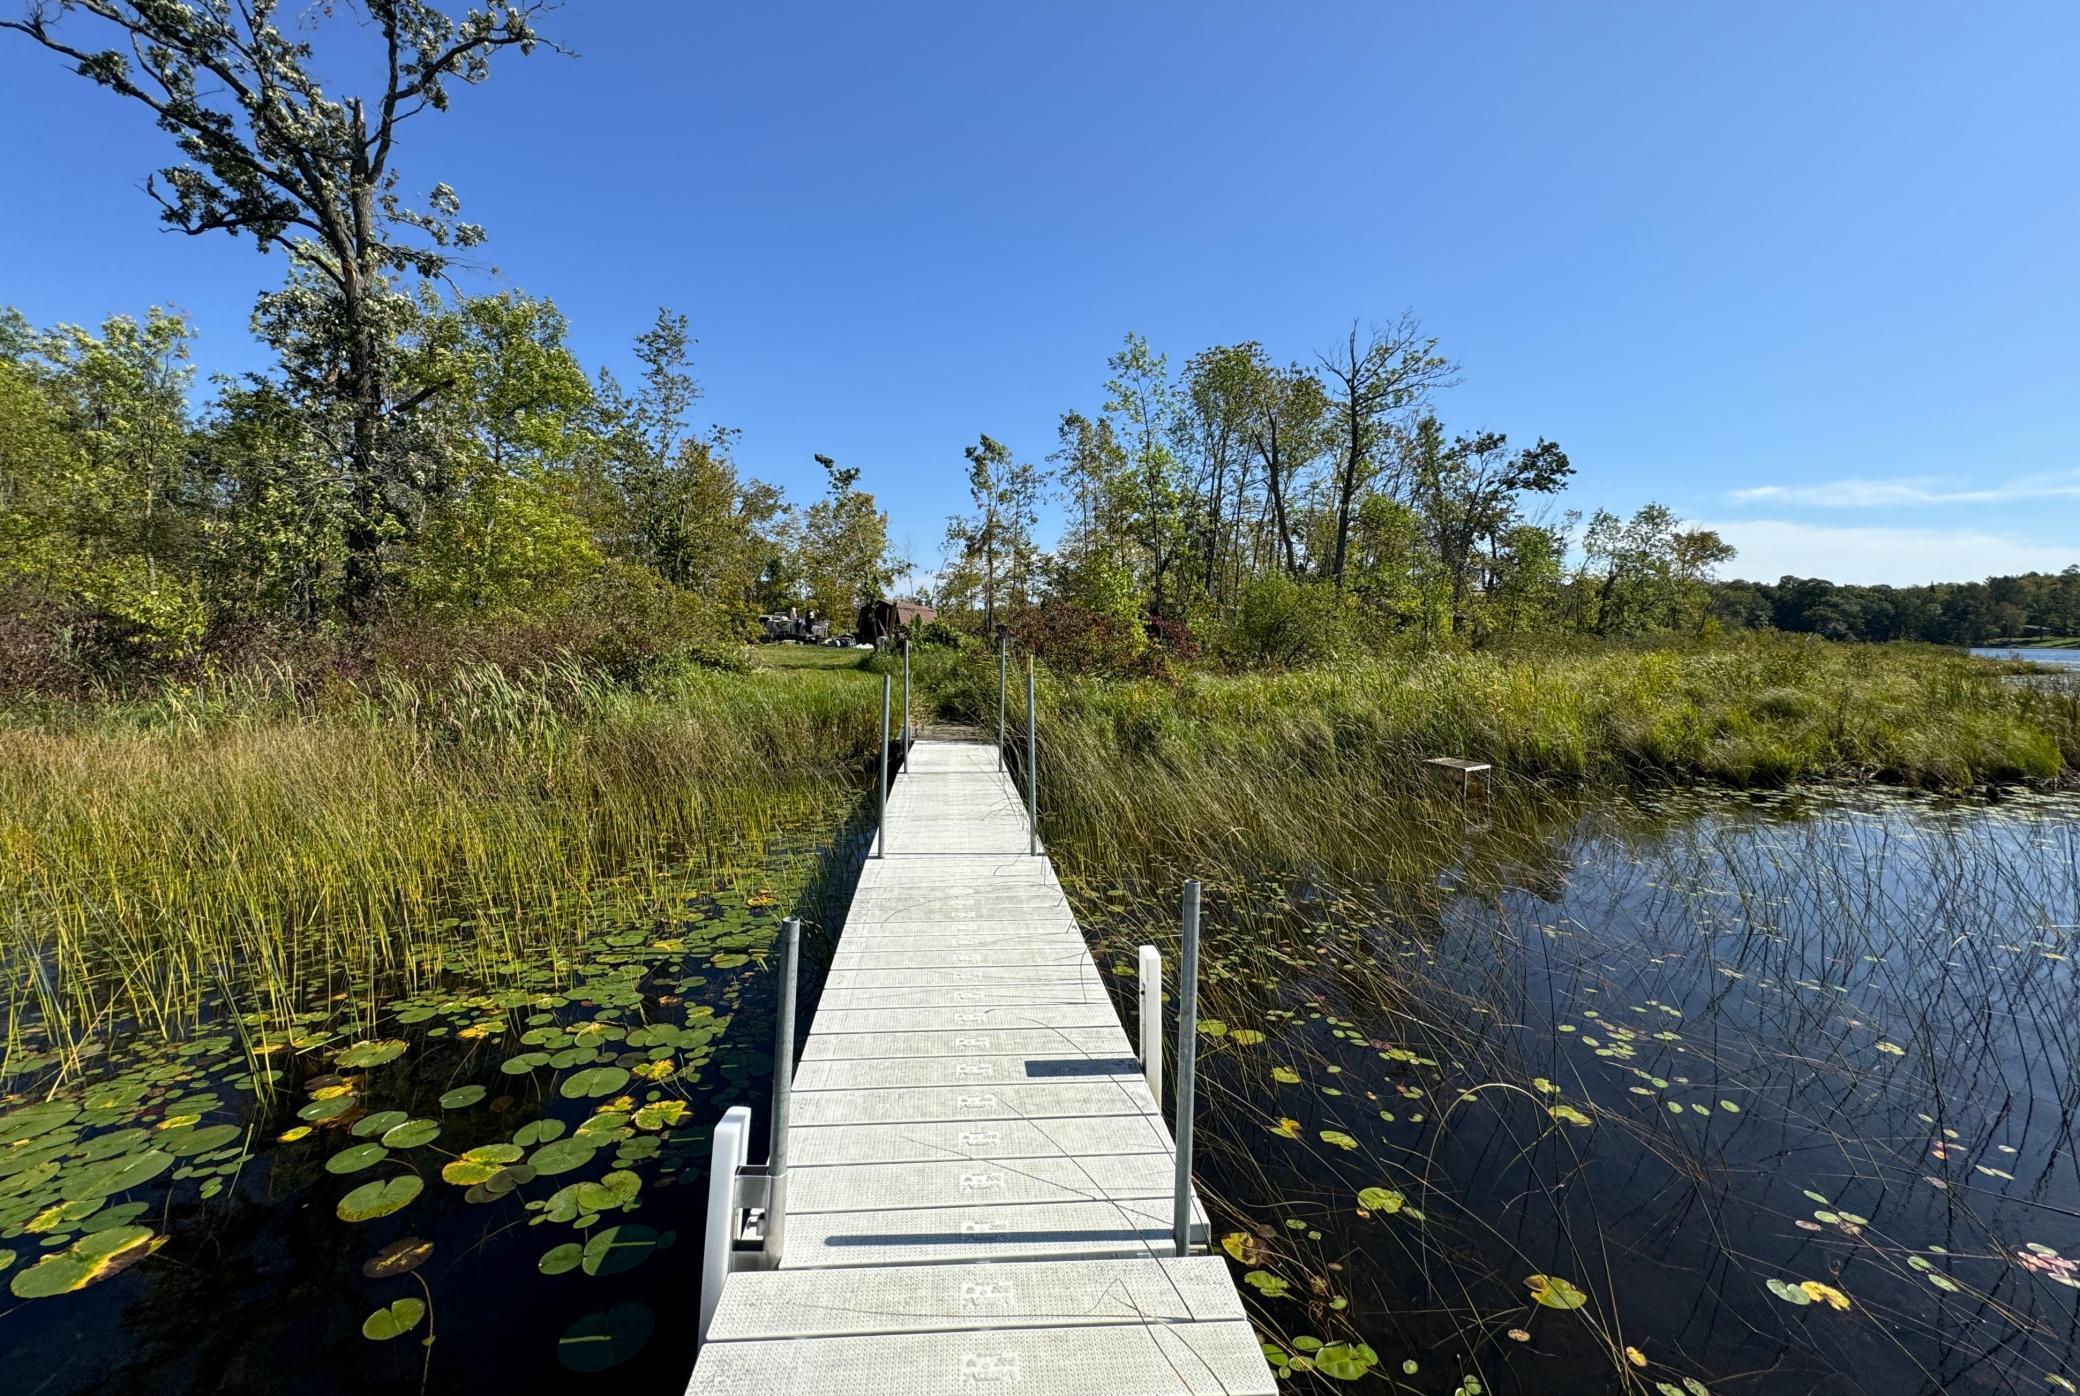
point(462, 1096)
point(618, 1248)
point(1386, 1200)
point(33, 1120)
point(356, 1158)
point(563, 1155)
point(1338, 1138)
point(185, 1143)
point(411, 1134)
point(374, 1052)
point(1555, 1293)
point(538, 1132)
point(115, 1175)
point(89, 1259)
point(394, 1320)
point(607, 1338)
point(1345, 1361)
point(380, 1198)
point(369, 1126)
point(593, 1081)
point(561, 1260)
point(660, 1115)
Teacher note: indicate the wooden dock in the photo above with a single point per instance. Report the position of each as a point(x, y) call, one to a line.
point(980, 1185)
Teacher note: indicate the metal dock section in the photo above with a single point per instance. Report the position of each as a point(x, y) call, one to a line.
point(979, 1184)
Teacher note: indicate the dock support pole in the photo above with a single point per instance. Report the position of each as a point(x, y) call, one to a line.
point(881, 830)
point(732, 1141)
point(1032, 763)
point(1003, 660)
point(783, 1089)
point(906, 700)
point(1151, 1024)
point(1187, 1064)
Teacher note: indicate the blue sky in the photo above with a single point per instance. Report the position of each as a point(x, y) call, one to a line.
point(1805, 273)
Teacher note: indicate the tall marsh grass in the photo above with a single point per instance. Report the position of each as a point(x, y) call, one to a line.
point(252, 845)
point(1295, 766)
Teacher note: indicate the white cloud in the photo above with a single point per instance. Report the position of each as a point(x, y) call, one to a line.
point(1773, 548)
point(1913, 490)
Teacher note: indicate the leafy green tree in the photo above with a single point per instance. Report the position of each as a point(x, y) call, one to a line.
point(1468, 492)
point(276, 540)
point(268, 153)
point(993, 547)
point(99, 502)
point(841, 547)
point(1141, 403)
point(1392, 372)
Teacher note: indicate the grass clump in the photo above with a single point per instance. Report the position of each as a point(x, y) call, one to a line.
point(244, 844)
point(1290, 763)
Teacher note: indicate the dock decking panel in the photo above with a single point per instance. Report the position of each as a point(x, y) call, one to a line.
point(980, 1184)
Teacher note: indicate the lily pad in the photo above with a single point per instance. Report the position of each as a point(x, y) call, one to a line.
point(374, 1052)
point(33, 1120)
point(1386, 1200)
point(593, 1082)
point(1345, 1361)
point(369, 1126)
point(563, 1155)
point(186, 1143)
point(660, 1115)
point(380, 1198)
point(400, 1257)
point(1554, 1292)
point(618, 1248)
point(607, 1338)
point(116, 1175)
point(462, 1096)
point(394, 1320)
point(561, 1260)
point(538, 1132)
point(1338, 1138)
point(411, 1134)
point(89, 1259)
point(353, 1160)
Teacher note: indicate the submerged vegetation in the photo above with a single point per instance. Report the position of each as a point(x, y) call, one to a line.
point(1695, 1093)
point(462, 959)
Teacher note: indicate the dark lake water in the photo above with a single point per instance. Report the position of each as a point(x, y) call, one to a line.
point(1777, 1094)
point(479, 1187)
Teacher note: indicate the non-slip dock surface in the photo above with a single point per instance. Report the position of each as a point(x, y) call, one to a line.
point(979, 1182)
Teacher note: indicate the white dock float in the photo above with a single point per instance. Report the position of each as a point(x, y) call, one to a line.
point(980, 1184)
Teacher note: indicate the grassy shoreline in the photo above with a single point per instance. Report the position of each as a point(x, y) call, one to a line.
point(238, 847)
point(1295, 762)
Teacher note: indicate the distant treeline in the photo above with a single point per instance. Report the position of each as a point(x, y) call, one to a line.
point(2032, 605)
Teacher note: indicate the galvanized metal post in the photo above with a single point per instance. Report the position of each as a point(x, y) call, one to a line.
point(881, 832)
point(906, 700)
point(732, 1141)
point(1003, 659)
point(1151, 1024)
point(783, 1090)
point(1187, 1064)
point(1032, 763)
